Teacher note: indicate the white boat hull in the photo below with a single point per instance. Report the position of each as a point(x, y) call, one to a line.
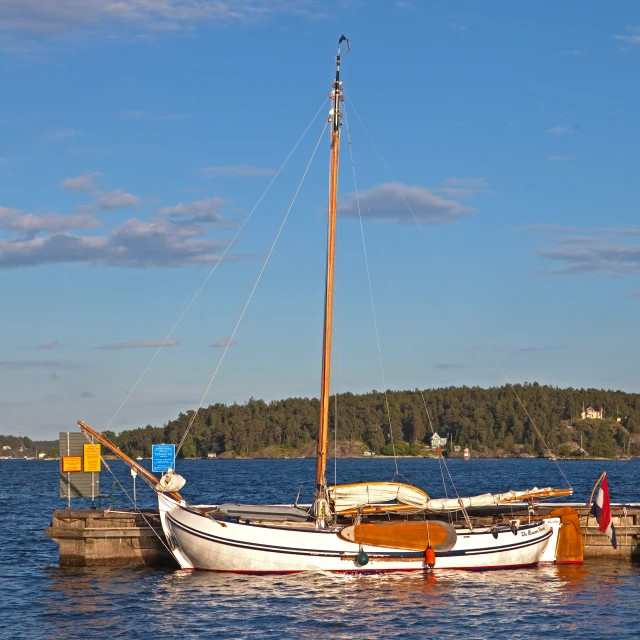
point(549, 555)
point(201, 542)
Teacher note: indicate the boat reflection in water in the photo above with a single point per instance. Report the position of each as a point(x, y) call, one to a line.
point(553, 599)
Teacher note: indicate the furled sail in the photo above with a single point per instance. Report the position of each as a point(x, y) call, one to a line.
point(494, 499)
point(347, 497)
point(381, 497)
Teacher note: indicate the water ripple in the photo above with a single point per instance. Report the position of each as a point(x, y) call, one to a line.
point(41, 600)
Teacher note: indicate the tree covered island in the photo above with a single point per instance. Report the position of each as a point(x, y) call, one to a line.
point(490, 422)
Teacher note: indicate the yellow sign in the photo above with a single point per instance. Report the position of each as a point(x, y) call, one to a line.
point(92, 457)
point(71, 464)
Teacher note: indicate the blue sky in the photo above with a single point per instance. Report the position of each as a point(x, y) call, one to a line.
point(136, 137)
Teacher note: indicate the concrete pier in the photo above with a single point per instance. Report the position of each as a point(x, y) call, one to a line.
point(627, 526)
point(109, 538)
point(120, 538)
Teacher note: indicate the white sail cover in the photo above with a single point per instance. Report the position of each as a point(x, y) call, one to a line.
point(171, 481)
point(353, 496)
point(488, 499)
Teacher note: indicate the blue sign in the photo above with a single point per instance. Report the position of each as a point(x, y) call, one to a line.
point(162, 456)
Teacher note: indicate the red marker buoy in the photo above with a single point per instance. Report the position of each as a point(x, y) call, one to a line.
point(430, 557)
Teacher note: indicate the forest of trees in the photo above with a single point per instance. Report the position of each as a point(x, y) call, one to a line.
point(488, 421)
point(24, 447)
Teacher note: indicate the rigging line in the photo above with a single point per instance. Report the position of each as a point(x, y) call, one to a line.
point(397, 308)
point(451, 284)
point(215, 266)
point(444, 484)
point(373, 307)
point(255, 286)
point(410, 352)
point(335, 398)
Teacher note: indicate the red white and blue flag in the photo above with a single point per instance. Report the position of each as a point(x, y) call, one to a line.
point(601, 509)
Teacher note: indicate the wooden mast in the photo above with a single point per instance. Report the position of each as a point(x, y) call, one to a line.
point(335, 119)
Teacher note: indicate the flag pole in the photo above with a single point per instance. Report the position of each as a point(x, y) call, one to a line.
point(595, 486)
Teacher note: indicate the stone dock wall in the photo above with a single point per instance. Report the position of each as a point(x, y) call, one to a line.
point(598, 545)
point(106, 538)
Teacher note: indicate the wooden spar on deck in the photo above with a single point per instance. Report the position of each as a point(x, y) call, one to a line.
point(141, 471)
point(323, 431)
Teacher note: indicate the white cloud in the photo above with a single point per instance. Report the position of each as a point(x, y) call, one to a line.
point(136, 243)
point(468, 183)
point(625, 231)
point(89, 151)
point(223, 342)
point(86, 209)
point(198, 211)
point(59, 134)
point(630, 39)
point(561, 129)
point(52, 344)
point(117, 199)
point(389, 202)
point(6, 213)
point(236, 171)
point(174, 236)
point(133, 115)
point(13, 220)
point(461, 187)
point(532, 349)
point(52, 17)
point(545, 228)
point(586, 255)
point(35, 364)
point(81, 184)
point(140, 344)
point(448, 366)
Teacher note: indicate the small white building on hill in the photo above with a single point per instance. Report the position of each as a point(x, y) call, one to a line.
point(592, 414)
point(437, 441)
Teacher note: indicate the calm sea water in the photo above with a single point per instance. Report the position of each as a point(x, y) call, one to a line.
point(40, 600)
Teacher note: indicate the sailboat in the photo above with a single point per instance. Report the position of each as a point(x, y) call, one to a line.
point(354, 528)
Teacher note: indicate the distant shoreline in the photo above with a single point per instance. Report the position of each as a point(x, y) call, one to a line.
point(381, 457)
